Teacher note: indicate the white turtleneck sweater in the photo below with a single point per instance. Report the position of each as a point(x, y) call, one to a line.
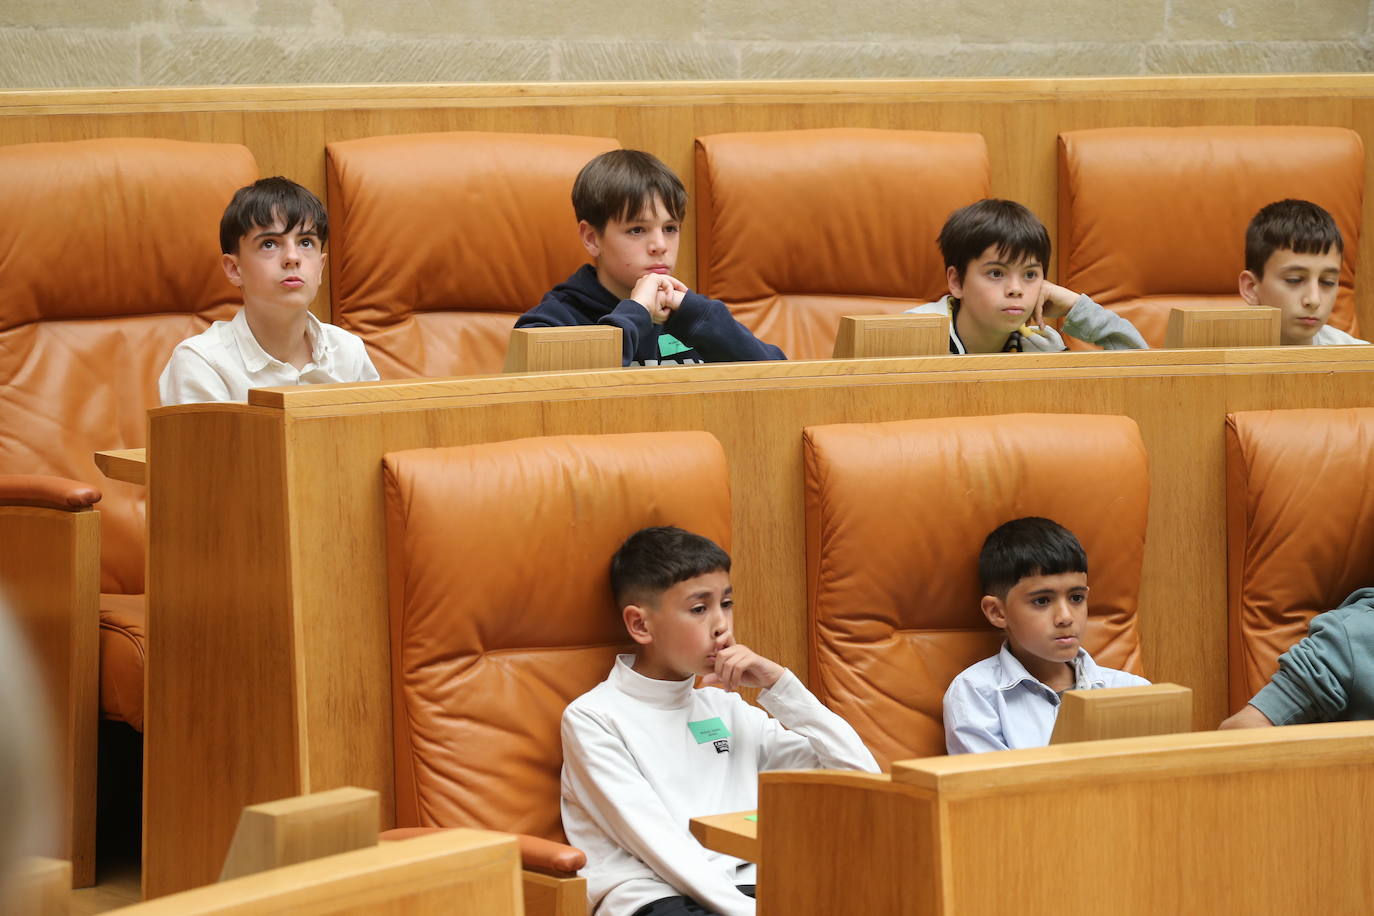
point(635, 772)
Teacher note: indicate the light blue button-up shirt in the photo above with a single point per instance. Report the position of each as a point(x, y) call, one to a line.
point(997, 704)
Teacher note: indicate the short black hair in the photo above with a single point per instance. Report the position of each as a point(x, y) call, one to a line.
point(622, 184)
point(1295, 225)
point(1016, 232)
point(262, 203)
point(1027, 547)
point(653, 560)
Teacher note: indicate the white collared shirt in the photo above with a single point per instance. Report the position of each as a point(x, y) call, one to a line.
point(226, 360)
point(997, 704)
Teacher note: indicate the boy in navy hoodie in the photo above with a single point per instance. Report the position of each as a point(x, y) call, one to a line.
point(629, 209)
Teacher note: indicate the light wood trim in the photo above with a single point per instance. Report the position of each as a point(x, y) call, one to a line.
point(50, 575)
point(222, 717)
point(37, 886)
point(409, 393)
point(127, 464)
point(1191, 327)
point(733, 834)
point(563, 349)
point(872, 336)
point(460, 872)
point(546, 895)
point(1123, 712)
point(299, 829)
point(1104, 762)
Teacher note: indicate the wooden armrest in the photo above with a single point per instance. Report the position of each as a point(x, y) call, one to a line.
point(47, 492)
point(536, 853)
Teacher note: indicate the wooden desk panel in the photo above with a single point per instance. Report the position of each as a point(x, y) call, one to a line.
point(299, 533)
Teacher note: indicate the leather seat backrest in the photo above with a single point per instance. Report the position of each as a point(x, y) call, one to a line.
point(501, 611)
point(1153, 217)
point(896, 514)
point(797, 228)
point(109, 257)
point(1299, 529)
point(438, 242)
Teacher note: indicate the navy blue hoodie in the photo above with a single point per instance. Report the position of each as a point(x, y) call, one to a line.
point(700, 330)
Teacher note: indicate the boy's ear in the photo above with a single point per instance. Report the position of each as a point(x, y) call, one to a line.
point(1249, 287)
point(591, 239)
point(956, 285)
point(230, 263)
point(637, 624)
point(995, 611)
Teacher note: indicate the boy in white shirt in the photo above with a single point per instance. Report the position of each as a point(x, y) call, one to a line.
point(646, 751)
point(1034, 576)
point(1293, 254)
point(272, 237)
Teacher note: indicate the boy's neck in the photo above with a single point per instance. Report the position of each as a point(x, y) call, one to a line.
point(646, 666)
point(281, 333)
point(621, 293)
point(1058, 676)
point(977, 339)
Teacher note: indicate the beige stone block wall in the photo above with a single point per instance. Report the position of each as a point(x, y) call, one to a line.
point(60, 43)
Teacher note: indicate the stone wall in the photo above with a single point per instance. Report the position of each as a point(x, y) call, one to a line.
point(56, 43)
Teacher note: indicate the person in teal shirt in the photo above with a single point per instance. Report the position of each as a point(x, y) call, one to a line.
point(1328, 676)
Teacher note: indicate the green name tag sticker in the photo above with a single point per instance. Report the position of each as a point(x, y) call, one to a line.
point(708, 730)
point(752, 817)
point(667, 346)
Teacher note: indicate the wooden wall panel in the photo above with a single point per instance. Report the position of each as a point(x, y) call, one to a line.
point(287, 126)
point(331, 440)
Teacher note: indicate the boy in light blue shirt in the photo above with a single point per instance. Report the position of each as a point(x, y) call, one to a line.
point(1034, 576)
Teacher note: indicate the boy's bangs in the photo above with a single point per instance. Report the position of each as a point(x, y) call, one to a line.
point(639, 203)
point(1024, 243)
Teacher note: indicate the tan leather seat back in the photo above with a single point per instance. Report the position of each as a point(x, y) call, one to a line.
point(501, 612)
point(1299, 529)
point(896, 514)
point(797, 228)
point(109, 257)
point(1153, 217)
point(438, 242)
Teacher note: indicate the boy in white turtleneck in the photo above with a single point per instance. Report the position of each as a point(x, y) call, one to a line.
point(646, 750)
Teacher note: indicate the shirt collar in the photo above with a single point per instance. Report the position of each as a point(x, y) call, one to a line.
point(255, 358)
point(660, 694)
point(1086, 674)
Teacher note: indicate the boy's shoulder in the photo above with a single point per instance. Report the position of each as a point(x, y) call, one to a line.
point(985, 676)
point(940, 306)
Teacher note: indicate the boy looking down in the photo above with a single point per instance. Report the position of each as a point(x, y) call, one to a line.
point(1034, 576)
point(646, 750)
point(995, 254)
point(629, 209)
point(272, 238)
point(1293, 263)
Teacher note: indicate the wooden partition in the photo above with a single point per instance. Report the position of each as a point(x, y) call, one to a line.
point(1265, 821)
point(287, 127)
point(268, 662)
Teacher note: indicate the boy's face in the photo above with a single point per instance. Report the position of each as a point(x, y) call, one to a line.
point(277, 268)
point(1302, 287)
point(628, 249)
point(996, 293)
point(680, 634)
point(1044, 617)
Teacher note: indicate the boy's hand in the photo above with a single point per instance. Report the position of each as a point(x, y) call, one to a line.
point(676, 291)
point(740, 666)
point(652, 292)
point(1055, 302)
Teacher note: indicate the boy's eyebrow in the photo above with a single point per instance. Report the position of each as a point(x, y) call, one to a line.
point(1051, 591)
point(706, 592)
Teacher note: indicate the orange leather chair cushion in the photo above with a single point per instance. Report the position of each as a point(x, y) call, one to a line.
point(501, 612)
point(895, 516)
point(123, 653)
point(109, 257)
point(1299, 531)
point(438, 242)
point(797, 228)
point(1152, 217)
